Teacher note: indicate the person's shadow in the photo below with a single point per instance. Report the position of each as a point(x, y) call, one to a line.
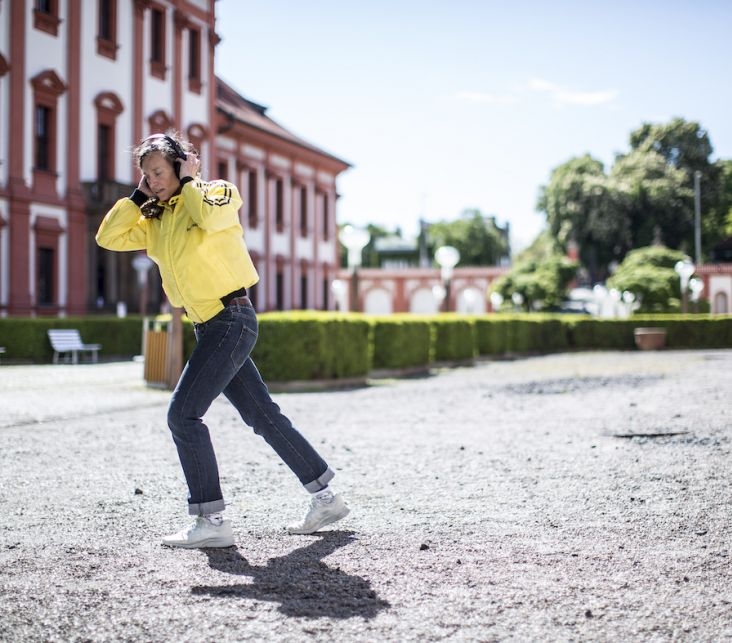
point(300, 581)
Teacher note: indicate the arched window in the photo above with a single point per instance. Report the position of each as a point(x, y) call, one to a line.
point(109, 107)
point(47, 87)
point(159, 122)
point(157, 40)
point(194, 60)
point(47, 235)
point(197, 135)
point(721, 306)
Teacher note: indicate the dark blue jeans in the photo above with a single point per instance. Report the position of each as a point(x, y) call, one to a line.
point(221, 363)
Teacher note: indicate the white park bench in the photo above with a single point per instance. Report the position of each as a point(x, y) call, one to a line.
point(68, 340)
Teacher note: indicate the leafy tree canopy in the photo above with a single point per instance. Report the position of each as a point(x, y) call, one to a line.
point(646, 197)
point(654, 198)
point(583, 208)
point(540, 274)
point(683, 144)
point(476, 237)
point(650, 275)
point(724, 206)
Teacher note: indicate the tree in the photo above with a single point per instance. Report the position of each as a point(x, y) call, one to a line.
point(581, 207)
point(656, 199)
point(649, 274)
point(723, 209)
point(648, 197)
point(477, 238)
point(541, 275)
point(685, 145)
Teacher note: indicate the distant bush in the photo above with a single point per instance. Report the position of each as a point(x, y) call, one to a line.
point(649, 274)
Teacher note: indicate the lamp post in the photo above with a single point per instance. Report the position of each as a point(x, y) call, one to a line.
point(628, 300)
point(447, 258)
point(142, 264)
point(355, 240)
point(684, 269)
point(339, 292)
point(438, 292)
point(601, 296)
point(697, 217)
point(518, 299)
point(496, 299)
point(470, 297)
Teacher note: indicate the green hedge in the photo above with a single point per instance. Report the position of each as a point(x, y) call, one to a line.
point(690, 331)
point(507, 334)
point(26, 339)
point(321, 345)
point(401, 342)
point(682, 331)
point(491, 334)
point(454, 337)
point(602, 334)
point(306, 346)
point(310, 345)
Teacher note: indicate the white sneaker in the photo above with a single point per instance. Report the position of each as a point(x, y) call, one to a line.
point(322, 512)
point(202, 534)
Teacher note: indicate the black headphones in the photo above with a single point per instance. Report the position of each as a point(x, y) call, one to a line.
point(152, 209)
point(177, 149)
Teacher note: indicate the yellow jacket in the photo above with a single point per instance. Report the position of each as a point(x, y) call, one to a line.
point(198, 244)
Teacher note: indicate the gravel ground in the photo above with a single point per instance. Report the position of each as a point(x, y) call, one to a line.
point(572, 497)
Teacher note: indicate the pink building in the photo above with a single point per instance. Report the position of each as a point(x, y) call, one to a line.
point(717, 279)
point(81, 82)
point(417, 290)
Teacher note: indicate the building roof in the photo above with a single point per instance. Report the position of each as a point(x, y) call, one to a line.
point(245, 111)
point(394, 244)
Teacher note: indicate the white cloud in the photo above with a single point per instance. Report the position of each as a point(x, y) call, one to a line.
point(561, 95)
point(483, 97)
point(539, 85)
point(564, 96)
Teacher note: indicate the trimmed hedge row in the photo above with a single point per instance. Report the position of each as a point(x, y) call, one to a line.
point(401, 342)
point(320, 345)
point(312, 346)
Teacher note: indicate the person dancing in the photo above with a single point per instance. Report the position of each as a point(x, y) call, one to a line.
point(190, 228)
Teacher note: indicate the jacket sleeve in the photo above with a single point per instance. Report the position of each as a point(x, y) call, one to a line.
point(123, 228)
point(213, 206)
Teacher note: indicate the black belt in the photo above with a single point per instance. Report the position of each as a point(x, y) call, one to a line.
point(236, 297)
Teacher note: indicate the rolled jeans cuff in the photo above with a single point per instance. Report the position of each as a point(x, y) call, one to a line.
point(321, 482)
point(205, 508)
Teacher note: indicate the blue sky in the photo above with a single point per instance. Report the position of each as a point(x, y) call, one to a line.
point(443, 105)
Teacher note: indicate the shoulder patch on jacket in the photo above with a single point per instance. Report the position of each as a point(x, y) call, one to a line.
point(221, 193)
